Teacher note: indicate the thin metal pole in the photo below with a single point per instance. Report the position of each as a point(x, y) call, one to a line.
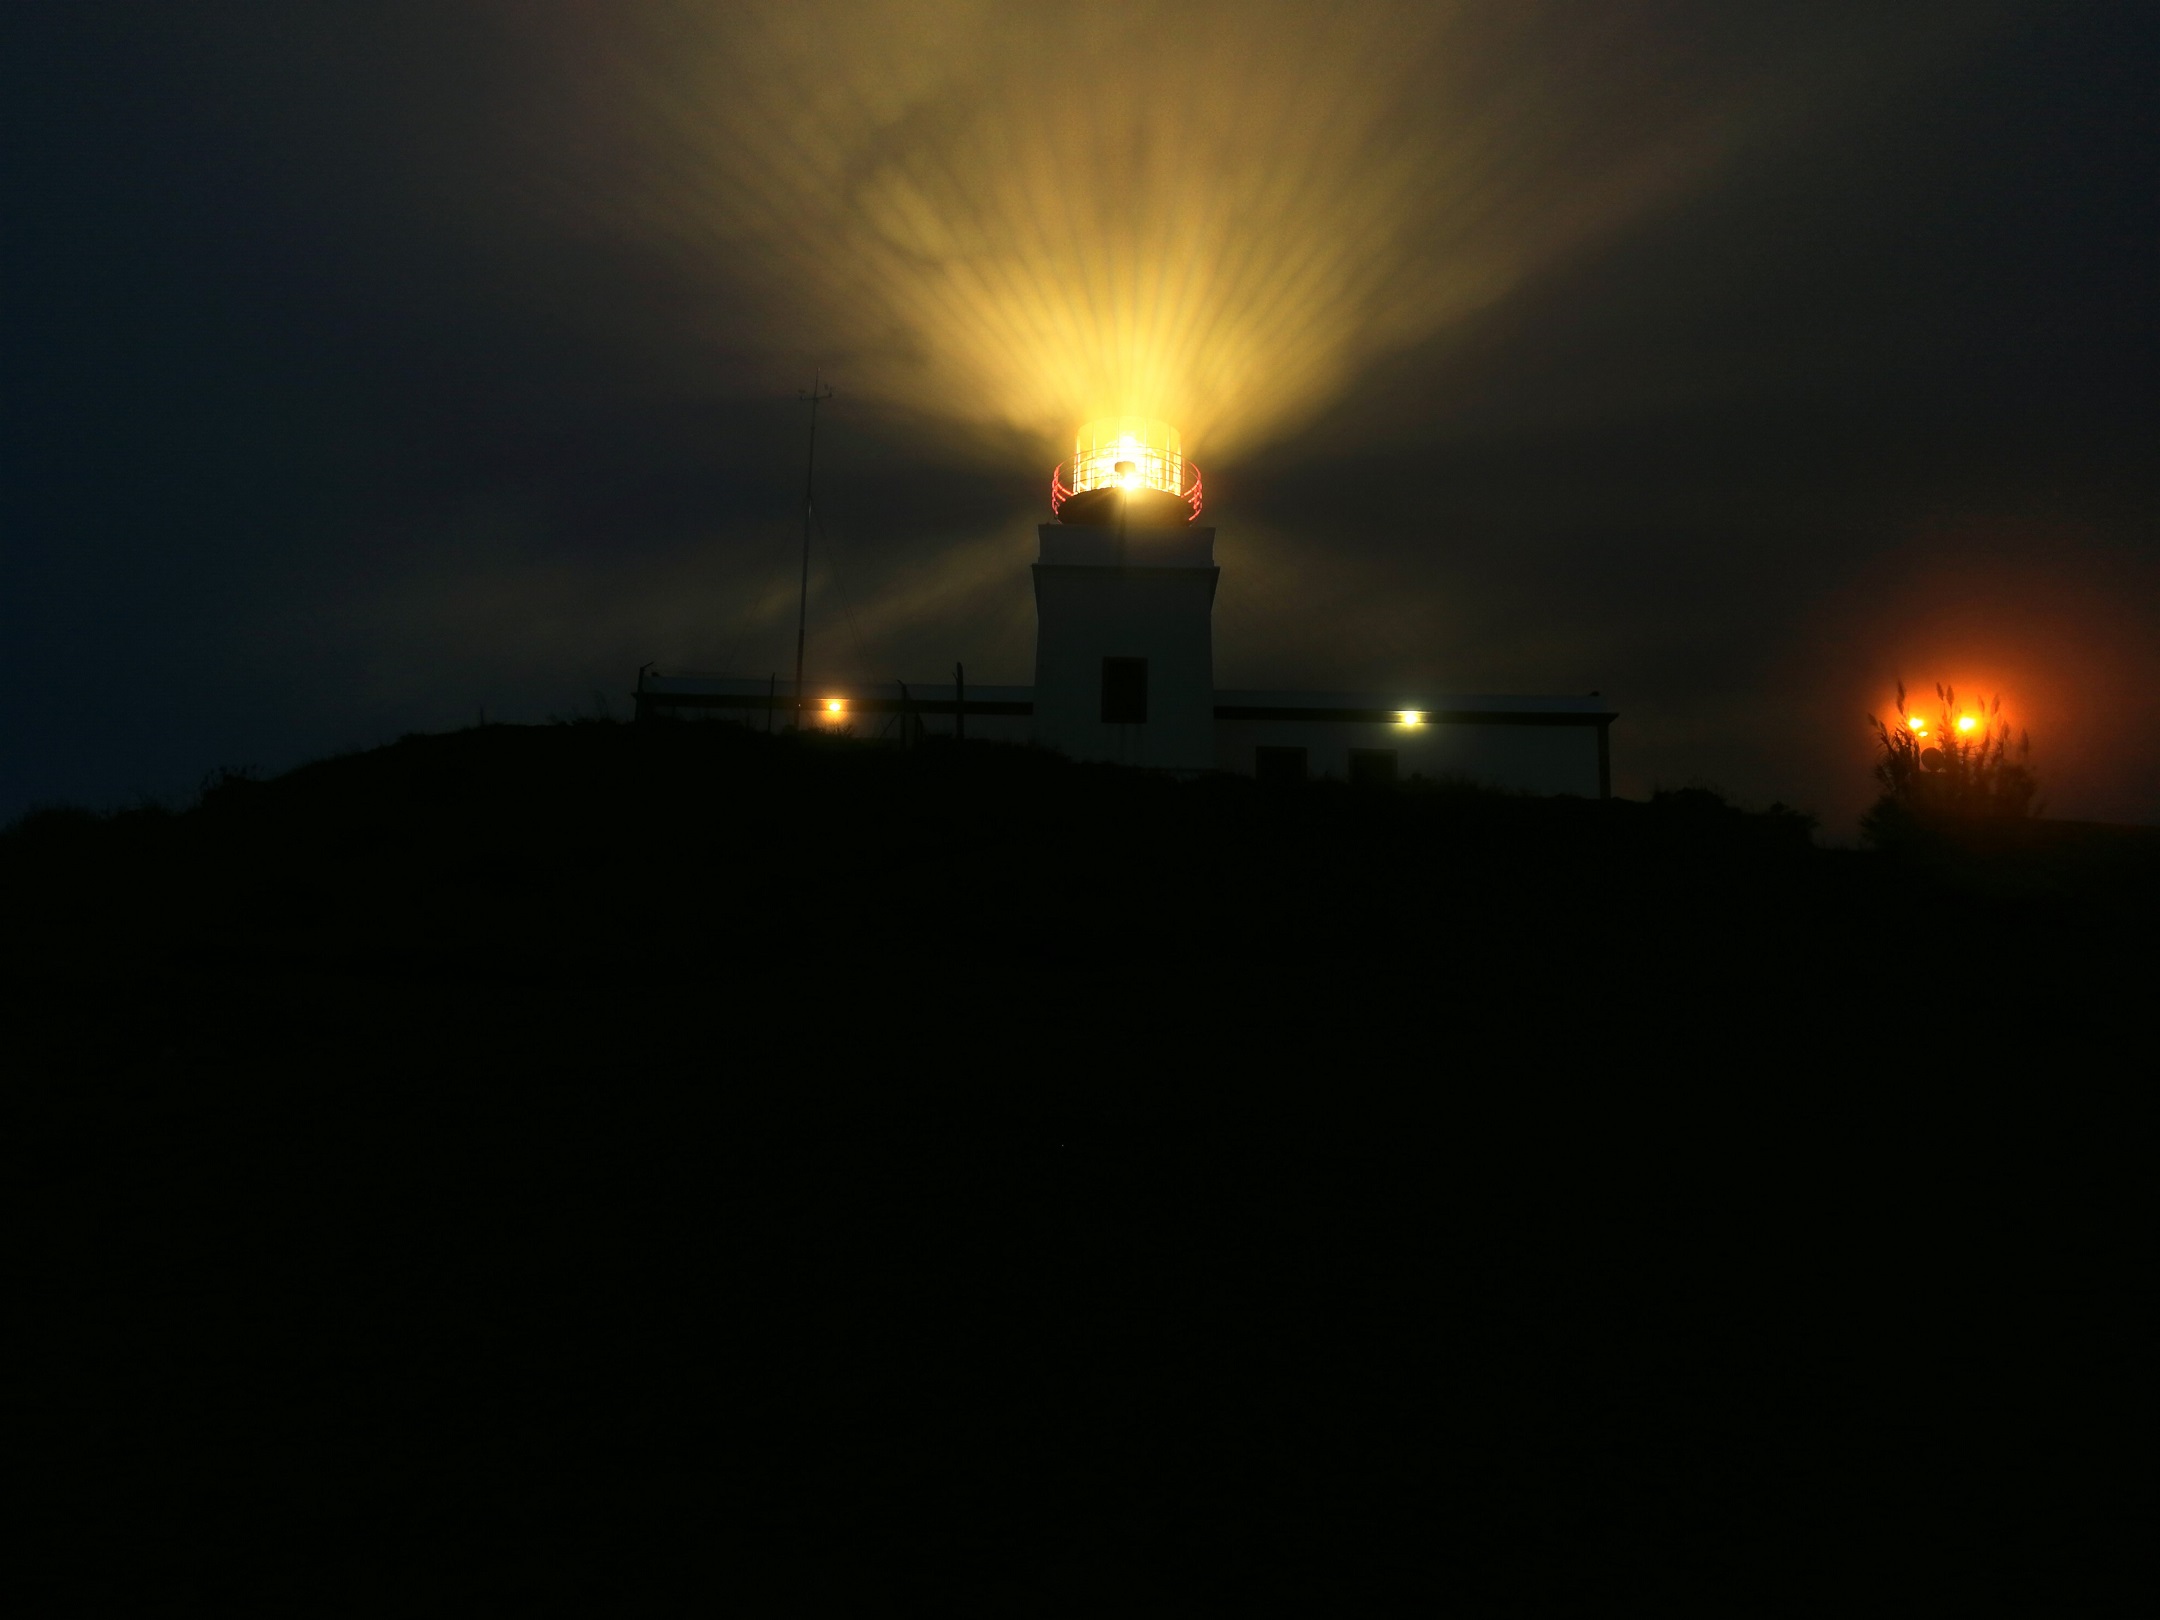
point(802, 610)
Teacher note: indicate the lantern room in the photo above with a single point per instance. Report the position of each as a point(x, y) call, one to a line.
point(1126, 470)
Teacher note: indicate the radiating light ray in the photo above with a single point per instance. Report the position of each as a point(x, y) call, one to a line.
point(1213, 214)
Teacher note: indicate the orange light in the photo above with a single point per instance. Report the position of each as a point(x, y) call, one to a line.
point(1917, 724)
point(835, 706)
point(1966, 722)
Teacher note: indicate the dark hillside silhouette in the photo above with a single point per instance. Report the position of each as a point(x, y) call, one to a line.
point(671, 1165)
point(829, 891)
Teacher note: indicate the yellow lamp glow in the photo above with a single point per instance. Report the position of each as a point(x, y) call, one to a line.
point(1917, 723)
point(1966, 722)
point(834, 706)
point(1410, 717)
point(1128, 452)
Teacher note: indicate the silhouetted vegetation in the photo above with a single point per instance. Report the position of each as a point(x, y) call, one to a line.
point(1952, 779)
point(665, 1163)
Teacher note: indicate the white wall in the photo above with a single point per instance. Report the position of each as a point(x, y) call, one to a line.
point(1142, 593)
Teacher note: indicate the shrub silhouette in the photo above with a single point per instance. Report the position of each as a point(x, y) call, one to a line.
point(1957, 772)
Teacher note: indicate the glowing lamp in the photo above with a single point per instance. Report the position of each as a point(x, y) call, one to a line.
point(1917, 724)
point(1966, 722)
point(1410, 717)
point(1126, 470)
point(835, 708)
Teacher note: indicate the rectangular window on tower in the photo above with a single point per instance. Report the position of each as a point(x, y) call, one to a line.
point(1124, 691)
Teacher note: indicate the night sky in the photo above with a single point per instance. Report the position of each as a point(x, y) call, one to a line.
point(370, 366)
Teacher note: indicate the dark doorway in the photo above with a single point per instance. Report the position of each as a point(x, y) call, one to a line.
point(1124, 691)
point(1372, 767)
point(1279, 764)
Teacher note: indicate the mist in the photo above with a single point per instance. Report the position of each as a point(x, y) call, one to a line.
point(378, 367)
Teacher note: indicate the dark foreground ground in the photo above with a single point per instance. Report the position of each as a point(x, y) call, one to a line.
point(668, 1169)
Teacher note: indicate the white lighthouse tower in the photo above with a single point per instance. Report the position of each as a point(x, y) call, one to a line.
point(1125, 602)
point(1125, 665)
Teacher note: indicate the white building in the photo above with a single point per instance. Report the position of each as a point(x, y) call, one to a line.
point(1124, 665)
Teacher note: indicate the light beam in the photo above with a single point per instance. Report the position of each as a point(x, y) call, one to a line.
point(1214, 214)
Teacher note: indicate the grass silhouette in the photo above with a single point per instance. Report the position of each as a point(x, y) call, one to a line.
point(644, 1166)
point(1947, 782)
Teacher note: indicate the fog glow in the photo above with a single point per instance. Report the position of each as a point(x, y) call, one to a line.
point(1212, 214)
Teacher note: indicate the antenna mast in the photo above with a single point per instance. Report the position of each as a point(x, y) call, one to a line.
point(802, 610)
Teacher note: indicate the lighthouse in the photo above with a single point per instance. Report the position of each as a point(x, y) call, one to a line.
point(1125, 579)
